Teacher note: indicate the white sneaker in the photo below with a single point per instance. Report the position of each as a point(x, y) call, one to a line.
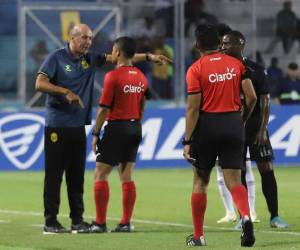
point(254, 218)
point(230, 217)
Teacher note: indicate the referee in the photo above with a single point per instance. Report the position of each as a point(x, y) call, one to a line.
point(67, 76)
point(122, 105)
point(214, 127)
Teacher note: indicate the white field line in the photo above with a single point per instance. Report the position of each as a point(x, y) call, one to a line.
point(161, 223)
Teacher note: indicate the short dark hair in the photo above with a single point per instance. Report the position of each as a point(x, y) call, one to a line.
point(293, 66)
point(223, 29)
point(207, 36)
point(238, 36)
point(127, 45)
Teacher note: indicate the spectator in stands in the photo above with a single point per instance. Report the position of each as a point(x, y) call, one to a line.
point(274, 76)
point(195, 14)
point(286, 26)
point(162, 74)
point(289, 88)
point(39, 52)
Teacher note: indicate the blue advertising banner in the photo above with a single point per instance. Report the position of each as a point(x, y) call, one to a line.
point(22, 138)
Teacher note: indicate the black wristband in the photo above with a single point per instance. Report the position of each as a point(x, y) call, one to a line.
point(96, 133)
point(187, 142)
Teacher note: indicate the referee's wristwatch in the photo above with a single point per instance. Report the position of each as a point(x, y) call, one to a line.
point(186, 142)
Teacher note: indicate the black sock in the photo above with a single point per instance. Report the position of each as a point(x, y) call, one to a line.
point(243, 177)
point(269, 188)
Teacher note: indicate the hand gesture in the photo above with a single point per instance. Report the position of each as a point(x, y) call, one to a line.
point(186, 154)
point(94, 143)
point(261, 137)
point(160, 59)
point(74, 99)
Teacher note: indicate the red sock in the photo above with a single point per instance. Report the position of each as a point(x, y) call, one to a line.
point(240, 197)
point(101, 197)
point(129, 196)
point(198, 202)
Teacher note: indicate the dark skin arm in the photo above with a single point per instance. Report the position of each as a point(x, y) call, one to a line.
point(191, 118)
point(250, 98)
point(261, 136)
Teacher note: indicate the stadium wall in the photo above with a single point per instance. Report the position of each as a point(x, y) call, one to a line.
point(21, 139)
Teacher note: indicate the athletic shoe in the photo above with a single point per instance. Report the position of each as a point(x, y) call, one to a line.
point(54, 228)
point(229, 217)
point(278, 223)
point(191, 242)
point(247, 236)
point(80, 228)
point(98, 228)
point(254, 218)
point(238, 225)
point(123, 228)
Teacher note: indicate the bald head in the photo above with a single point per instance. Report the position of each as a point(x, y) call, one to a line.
point(80, 39)
point(78, 29)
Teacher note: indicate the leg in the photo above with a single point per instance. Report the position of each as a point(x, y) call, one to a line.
point(250, 179)
point(199, 200)
point(240, 197)
point(226, 198)
point(128, 191)
point(101, 191)
point(75, 168)
point(53, 175)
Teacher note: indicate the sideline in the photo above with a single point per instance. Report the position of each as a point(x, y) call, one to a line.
point(161, 223)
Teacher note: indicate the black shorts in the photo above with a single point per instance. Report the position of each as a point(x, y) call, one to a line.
point(258, 153)
point(119, 142)
point(221, 135)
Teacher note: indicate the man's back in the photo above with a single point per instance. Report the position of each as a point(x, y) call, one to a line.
point(218, 77)
point(124, 90)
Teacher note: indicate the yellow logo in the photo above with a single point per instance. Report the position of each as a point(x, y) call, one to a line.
point(53, 137)
point(84, 64)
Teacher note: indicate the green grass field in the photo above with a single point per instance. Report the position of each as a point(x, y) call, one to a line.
point(162, 216)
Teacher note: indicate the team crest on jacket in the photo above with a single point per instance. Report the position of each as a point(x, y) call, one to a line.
point(84, 64)
point(53, 137)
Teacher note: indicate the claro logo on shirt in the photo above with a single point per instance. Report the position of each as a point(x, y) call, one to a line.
point(128, 88)
point(213, 78)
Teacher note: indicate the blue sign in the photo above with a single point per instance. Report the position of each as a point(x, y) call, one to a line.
point(22, 139)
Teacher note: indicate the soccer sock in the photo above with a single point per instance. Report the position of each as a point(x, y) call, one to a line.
point(129, 197)
point(250, 179)
point(224, 192)
point(198, 202)
point(269, 188)
point(101, 197)
point(240, 198)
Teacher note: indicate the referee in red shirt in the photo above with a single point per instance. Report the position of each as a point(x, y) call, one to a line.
point(122, 105)
point(215, 127)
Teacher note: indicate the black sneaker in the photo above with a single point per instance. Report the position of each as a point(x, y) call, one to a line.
point(123, 228)
point(54, 228)
point(247, 236)
point(98, 228)
point(191, 242)
point(82, 227)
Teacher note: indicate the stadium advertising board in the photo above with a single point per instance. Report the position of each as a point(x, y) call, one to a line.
point(21, 139)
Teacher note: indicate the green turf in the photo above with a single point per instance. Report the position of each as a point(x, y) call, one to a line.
point(163, 198)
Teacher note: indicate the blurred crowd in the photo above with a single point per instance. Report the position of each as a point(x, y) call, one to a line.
point(154, 32)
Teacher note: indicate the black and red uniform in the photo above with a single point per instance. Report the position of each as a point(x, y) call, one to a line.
point(219, 130)
point(123, 93)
